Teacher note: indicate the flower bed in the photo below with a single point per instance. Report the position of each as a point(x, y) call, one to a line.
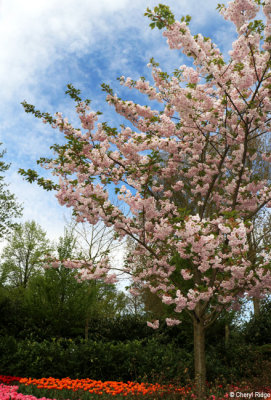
point(89, 389)
point(9, 379)
point(10, 393)
point(99, 387)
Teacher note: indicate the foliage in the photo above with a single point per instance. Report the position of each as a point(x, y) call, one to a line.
point(58, 304)
point(151, 360)
point(23, 256)
point(44, 303)
point(100, 360)
point(39, 312)
point(9, 208)
point(14, 313)
point(258, 329)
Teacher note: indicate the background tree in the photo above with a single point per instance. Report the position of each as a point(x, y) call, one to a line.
point(50, 295)
point(23, 256)
point(95, 242)
point(9, 208)
point(141, 301)
point(61, 305)
point(260, 237)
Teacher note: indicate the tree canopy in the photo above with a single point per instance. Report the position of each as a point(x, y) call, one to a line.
point(23, 256)
point(9, 208)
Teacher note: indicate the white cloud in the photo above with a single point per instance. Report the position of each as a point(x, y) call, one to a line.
point(36, 34)
point(39, 205)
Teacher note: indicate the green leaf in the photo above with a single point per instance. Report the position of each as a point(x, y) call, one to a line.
point(106, 88)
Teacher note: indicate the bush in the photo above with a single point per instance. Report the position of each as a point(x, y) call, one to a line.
point(137, 353)
point(133, 360)
point(258, 329)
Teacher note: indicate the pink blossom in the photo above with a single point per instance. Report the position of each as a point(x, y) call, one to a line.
point(172, 322)
point(153, 325)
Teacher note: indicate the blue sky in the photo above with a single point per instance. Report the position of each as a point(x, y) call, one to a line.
point(46, 44)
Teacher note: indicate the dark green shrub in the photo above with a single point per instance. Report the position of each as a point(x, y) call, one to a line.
point(8, 351)
point(258, 329)
point(132, 360)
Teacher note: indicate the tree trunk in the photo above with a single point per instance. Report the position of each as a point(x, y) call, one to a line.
point(227, 334)
point(199, 358)
point(256, 306)
point(86, 327)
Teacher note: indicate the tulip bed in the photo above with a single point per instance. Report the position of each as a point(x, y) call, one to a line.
point(112, 388)
point(17, 388)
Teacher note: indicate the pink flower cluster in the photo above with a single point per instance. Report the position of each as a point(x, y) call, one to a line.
point(10, 393)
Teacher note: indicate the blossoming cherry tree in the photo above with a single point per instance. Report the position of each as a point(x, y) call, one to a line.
point(203, 135)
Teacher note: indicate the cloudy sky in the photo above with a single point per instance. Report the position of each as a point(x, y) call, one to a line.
point(46, 44)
